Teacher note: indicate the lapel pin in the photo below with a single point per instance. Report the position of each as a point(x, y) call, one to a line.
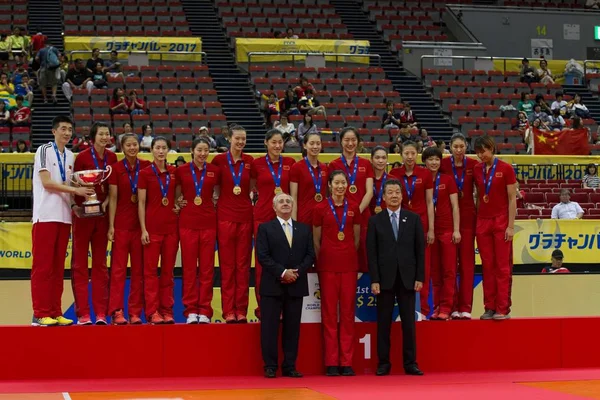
point(404, 219)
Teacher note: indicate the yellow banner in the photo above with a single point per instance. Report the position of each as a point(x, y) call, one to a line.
point(125, 44)
point(317, 46)
point(557, 67)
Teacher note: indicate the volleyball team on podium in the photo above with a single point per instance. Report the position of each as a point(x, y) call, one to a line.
point(152, 207)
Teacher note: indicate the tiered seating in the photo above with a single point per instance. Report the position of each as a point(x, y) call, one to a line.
point(351, 96)
point(176, 99)
point(9, 136)
point(309, 19)
point(13, 13)
point(407, 20)
point(561, 4)
point(125, 18)
point(546, 193)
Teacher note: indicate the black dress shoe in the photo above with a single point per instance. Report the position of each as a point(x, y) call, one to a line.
point(332, 371)
point(383, 370)
point(347, 371)
point(414, 370)
point(270, 373)
point(292, 373)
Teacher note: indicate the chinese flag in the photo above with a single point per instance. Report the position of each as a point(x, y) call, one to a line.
point(565, 142)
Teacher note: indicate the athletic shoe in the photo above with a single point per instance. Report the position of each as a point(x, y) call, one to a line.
point(347, 371)
point(135, 320)
point(230, 319)
point(101, 320)
point(241, 319)
point(62, 321)
point(257, 313)
point(168, 319)
point(118, 318)
point(456, 315)
point(465, 315)
point(203, 319)
point(156, 319)
point(192, 319)
point(501, 317)
point(443, 316)
point(44, 321)
point(488, 315)
point(434, 316)
point(84, 320)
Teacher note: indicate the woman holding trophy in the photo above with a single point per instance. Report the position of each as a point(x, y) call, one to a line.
point(157, 212)
point(124, 232)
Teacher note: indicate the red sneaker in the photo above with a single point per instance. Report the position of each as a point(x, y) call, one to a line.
point(230, 319)
point(118, 318)
point(84, 320)
point(241, 319)
point(443, 316)
point(156, 319)
point(168, 319)
point(135, 320)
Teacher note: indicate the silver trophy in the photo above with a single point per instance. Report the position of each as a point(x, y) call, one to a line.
point(92, 207)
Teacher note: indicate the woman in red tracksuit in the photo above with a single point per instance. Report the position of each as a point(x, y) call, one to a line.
point(360, 183)
point(496, 200)
point(308, 180)
point(461, 168)
point(234, 227)
point(417, 196)
point(270, 176)
point(124, 232)
point(336, 234)
point(157, 211)
point(447, 235)
point(379, 158)
point(198, 181)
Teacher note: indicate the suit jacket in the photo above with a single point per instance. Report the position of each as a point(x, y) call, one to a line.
point(275, 255)
point(389, 257)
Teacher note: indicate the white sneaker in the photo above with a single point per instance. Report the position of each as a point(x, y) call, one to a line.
point(192, 319)
point(455, 315)
point(203, 319)
point(465, 315)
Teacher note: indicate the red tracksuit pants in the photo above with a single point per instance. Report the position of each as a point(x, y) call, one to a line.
point(198, 260)
point(463, 298)
point(443, 271)
point(49, 249)
point(235, 252)
point(85, 231)
point(338, 289)
point(257, 269)
point(127, 245)
point(424, 293)
point(496, 259)
point(158, 291)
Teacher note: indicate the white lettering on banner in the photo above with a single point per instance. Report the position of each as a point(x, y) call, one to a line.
point(366, 341)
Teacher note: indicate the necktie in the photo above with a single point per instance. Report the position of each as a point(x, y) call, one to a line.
point(288, 234)
point(395, 225)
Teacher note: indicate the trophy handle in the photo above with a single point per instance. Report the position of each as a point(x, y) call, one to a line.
point(105, 177)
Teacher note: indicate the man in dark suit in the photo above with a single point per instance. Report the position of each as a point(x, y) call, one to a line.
point(396, 254)
point(285, 251)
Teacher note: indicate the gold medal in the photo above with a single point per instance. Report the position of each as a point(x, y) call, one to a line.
point(165, 201)
point(486, 198)
point(134, 198)
point(278, 190)
point(237, 190)
point(461, 194)
point(197, 200)
point(378, 209)
point(353, 189)
point(341, 236)
point(318, 197)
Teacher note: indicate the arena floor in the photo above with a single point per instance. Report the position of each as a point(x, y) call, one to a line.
point(543, 385)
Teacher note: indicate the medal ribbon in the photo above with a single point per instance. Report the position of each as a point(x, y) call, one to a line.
point(237, 179)
point(164, 189)
point(436, 189)
point(459, 182)
point(276, 178)
point(341, 225)
point(62, 165)
point(410, 190)
point(198, 185)
point(133, 182)
point(316, 181)
point(96, 159)
point(351, 177)
point(379, 195)
point(487, 180)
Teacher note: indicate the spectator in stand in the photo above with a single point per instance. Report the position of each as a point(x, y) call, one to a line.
point(203, 133)
point(556, 121)
point(539, 99)
point(6, 70)
point(538, 114)
point(24, 89)
point(78, 77)
point(118, 102)
point(98, 79)
point(127, 128)
point(7, 90)
point(526, 105)
point(179, 161)
point(135, 105)
point(289, 34)
point(18, 45)
point(593, 4)
point(95, 60)
point(405, 136)
point(528, 73)
point(290, 103)
point(4, 114)
point(577, 108)
point(146, 138)
point(396, 148)
point(390, 118)
point(306, 126)
point(38, 41)
point(557, 264)
point(4, 47)
point(440, 144)
point(272, 105)
point(288, 132)
point(522, 122)
point(424, 138)
point(567, 209)
point(223, 140)
point(83, 142)
point(63, 67)
point(559, 103)
point(112, 66)
point(301, 89)
point(544, 74)
point(309, 105)
point(22, 147)
point(407, 117)
point(21, 115)
point(590, 179)
point(19, 73)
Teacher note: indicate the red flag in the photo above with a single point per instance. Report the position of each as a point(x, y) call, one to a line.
point(565, 142)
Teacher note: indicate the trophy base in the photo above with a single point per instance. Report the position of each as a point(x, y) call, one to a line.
point(92, 210)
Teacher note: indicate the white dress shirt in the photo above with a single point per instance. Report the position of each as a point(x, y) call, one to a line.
point(285, 228)
point(566, 210)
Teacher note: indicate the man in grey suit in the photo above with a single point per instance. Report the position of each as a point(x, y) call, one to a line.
point(396, 254)
point(285, 251)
